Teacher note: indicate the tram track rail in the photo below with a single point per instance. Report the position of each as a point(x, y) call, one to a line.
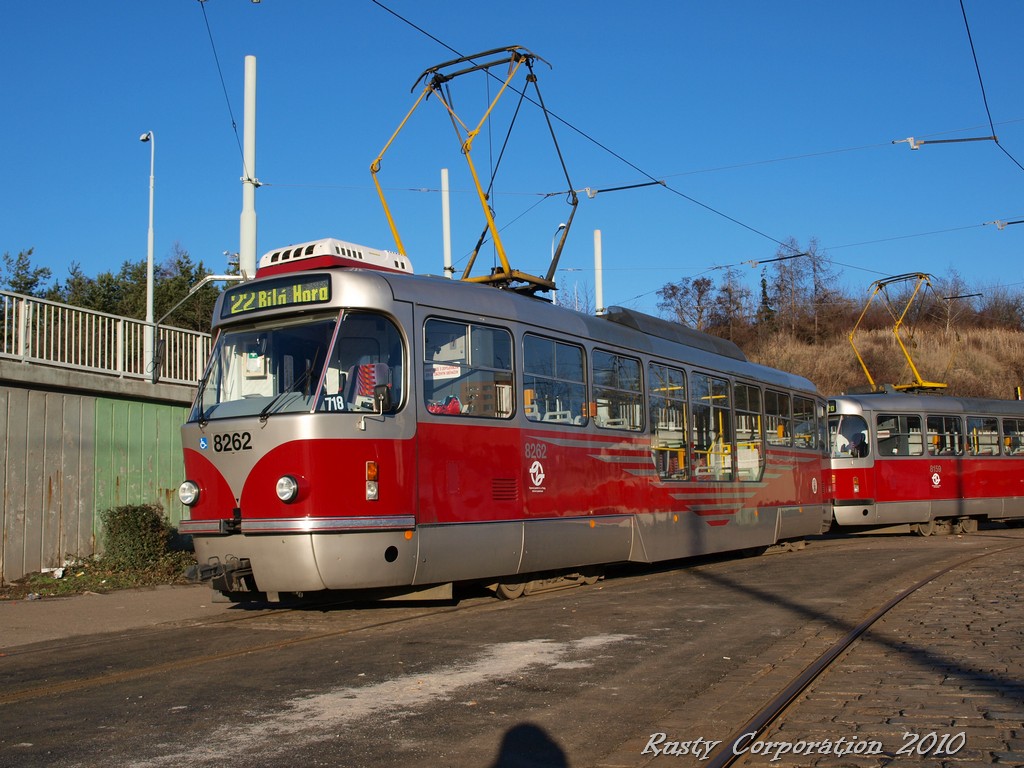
point(774, 711)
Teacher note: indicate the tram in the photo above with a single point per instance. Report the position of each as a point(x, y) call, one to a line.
point(935, 462)
point(366, 430)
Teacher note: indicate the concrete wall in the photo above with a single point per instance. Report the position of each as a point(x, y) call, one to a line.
point(73, 444)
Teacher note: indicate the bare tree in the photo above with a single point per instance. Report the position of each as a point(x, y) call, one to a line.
point(826, 306)
point(731, 310)
point(1001, 308)
point(950, 301)
point(579, 297)
point(787, 288)
point(687, 302)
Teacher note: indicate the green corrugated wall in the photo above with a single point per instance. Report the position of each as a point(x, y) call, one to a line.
point(137, 455)
point(67, 457)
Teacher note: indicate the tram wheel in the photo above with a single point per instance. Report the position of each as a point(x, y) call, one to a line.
point(925, 529)
point(510, 591)
point(966, 525)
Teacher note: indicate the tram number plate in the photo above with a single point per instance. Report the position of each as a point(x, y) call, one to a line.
point(536, 450)
point(232, 442)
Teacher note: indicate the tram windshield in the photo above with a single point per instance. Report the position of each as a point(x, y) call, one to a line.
point(848, 436)
point(326, 363)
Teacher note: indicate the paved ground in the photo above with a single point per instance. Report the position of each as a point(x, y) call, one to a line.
point(938, 682)
point(54, 619)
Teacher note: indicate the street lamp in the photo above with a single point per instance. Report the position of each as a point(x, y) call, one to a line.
point(148, 334)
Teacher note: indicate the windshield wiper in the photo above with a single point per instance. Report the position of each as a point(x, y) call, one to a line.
point(265, 413)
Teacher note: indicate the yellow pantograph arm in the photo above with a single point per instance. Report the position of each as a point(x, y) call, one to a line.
point(375, 168)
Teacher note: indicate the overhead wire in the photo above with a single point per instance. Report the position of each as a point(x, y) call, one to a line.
point(594, 141)
point(981, 85)
point(224, 88)
point(651, 180)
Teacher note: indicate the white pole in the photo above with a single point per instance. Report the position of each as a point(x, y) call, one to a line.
point(598, 274)
point(247, 233)
point(446, 225)
point(147, 342)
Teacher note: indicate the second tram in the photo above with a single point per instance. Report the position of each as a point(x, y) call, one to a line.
point(932, 461)
point(370, 429)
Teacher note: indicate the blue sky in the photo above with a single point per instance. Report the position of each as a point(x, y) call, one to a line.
point(778, 117)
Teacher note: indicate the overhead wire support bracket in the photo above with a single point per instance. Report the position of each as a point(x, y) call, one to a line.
point(433, 81)
point(1001, 225)
point(915, 144)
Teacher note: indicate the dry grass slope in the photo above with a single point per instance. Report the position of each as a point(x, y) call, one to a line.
point(981, 363)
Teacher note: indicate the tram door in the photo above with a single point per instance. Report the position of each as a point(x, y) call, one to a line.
point(467, 454)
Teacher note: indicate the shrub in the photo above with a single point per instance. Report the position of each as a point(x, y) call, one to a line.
point(136, 536)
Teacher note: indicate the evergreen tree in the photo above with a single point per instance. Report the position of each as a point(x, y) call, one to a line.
point(18, 275)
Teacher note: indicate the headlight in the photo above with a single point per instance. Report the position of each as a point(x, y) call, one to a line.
point(287, 488)
point(188, 493)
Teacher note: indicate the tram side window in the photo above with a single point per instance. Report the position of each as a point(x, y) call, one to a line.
point(711, 427)
point(618, 398)
point(368, 353)
point(554, 383)
point(467, 369)
point(945, 436)
point(779, 420)
point(982, 436)
point(1013, 437)
point(749, 436)
point(899, 435)
point(666, 396)
point(805, 431)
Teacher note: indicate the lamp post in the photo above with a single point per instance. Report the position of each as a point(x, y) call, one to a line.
point(149, 330)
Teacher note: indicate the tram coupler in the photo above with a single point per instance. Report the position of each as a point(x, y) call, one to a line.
point(235, 575)
point(197, 573)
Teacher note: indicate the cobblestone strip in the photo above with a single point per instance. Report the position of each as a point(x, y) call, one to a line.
point(714, 715)
point(937, 682)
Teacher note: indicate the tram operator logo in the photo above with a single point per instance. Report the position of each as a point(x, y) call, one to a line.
point(537, 477)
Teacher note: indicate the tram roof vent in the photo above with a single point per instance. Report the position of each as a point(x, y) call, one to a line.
point(330, 252)
point(655, 326)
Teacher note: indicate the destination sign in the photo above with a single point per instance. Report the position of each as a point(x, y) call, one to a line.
point(290, 291)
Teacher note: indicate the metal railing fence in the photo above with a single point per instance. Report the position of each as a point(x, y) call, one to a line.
point(40, 331)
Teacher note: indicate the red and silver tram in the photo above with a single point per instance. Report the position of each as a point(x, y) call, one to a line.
point(933, 461)
point(373, 431)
